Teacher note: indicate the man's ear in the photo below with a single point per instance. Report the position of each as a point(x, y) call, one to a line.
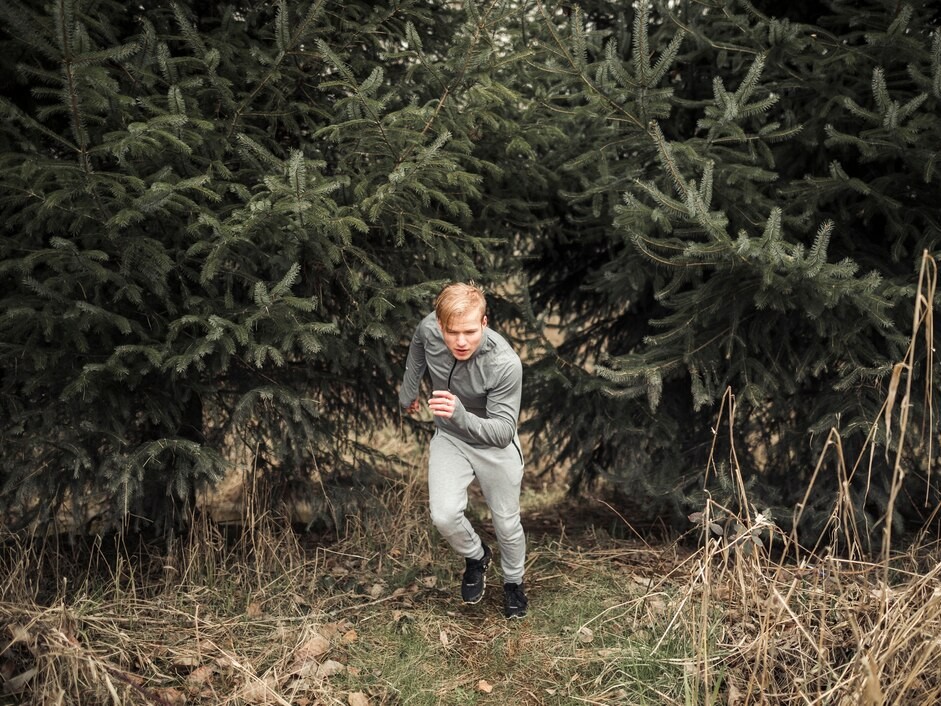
point(483, 321)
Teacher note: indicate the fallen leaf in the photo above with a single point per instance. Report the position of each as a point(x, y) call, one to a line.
point(331, 630)
point(350, 636)
point(357, 698)
point(169, 695)
point(376, 590)
point(254, 610)
point(429, 581)
point(485, 686)
point(656, 604)
point(19, 682)
point(329, 668)
point(199, 676)
point(7, 670)
point(186, 661)
point(313, 648)
point(443, 636)
point(225, 662)
point(259, 691)
point(585, 634)
point(295, 685)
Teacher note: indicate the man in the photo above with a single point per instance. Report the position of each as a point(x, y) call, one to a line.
point(477, 383)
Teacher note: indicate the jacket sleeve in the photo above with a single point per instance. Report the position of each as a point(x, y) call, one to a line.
point(415, 366)
point(503, 409)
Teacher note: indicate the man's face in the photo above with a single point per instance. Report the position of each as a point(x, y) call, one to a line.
point(464, 333)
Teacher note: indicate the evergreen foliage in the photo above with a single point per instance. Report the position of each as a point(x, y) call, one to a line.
point(219, 221)
point(753, 201)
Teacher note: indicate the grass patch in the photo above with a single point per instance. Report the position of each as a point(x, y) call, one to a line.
point(612, 621)
point(375, 619)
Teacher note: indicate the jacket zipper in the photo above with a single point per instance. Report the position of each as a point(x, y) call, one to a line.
point(518, 450)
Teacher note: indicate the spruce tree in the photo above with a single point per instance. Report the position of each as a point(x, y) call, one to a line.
point(753, 201)
point(219, 223)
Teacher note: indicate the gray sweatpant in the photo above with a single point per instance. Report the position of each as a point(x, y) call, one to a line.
point(452, 467)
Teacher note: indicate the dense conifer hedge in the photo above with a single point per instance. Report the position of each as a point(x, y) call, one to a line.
point(221, 220)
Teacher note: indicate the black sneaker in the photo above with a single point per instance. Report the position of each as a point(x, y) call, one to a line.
point(472, 587)
point(514, 600)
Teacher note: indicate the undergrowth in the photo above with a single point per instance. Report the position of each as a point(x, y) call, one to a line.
point(374, 618)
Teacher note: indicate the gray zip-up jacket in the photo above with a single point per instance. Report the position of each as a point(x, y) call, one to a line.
point(488, 385)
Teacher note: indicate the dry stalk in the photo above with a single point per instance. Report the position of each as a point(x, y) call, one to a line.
point(828, 628)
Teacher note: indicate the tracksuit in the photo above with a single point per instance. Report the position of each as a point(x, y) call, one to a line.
point(479, 440)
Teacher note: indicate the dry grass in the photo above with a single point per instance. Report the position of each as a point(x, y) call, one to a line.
point(373, 618)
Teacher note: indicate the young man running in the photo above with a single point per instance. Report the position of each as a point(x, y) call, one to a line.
point(477, 383)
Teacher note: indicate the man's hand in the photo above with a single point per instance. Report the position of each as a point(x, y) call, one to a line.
point(442, 403)
point(414, 407)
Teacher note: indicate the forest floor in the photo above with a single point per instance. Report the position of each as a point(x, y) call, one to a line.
point(618, 615)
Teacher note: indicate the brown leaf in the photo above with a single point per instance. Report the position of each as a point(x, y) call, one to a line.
point(186, 661)
point(199, 676)
point(443, 637)
point(7, 670)
point(357, 698)
point(350, 637)
point(171, 696)
point(19, 682)
point(254, 610)
point(485, 686)
point(329, 668)
point(429, 581)
point(259, 691)
point(656, 605)
point(585, 634)
point(313, 648)
point(331, 630)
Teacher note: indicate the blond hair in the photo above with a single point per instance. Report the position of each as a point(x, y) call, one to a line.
point(459, 299)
